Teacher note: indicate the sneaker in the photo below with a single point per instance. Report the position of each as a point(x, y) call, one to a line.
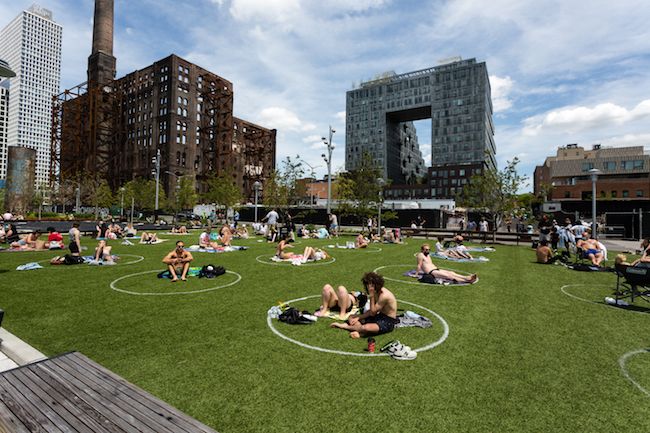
point(398, 351)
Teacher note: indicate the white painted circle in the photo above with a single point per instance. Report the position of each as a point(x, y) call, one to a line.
point(445, 334)
point(368, 249)
point(170, 293)
point(283, 263)
point(621, 363)
point(117, 263)
point(419, 283)
point(602, 304)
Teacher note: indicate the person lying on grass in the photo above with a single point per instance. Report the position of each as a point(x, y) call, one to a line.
point(315, 254)
point(340, 300)
point(103, 252)
point(459, 250)
point(150, 238)
point(426, 265)
point(179, 229)
point(178, 262)
point(380, 317)
point(28, 242)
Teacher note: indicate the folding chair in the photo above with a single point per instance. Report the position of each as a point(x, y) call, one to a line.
point(632, 282)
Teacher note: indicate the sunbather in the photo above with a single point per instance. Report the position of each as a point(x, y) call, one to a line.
point(380, 318)
point(205, 240)
point(339, 300)
point(28, 242)
point(225, 236)
point(282, 245)
point(545, 255)
point(178, 262)
point(103, 252)
point(150, 238)
point(459, 250)
point(314, 254)
point(360, 241)
point(179, 229)
point(426, 265)
point(591, 249)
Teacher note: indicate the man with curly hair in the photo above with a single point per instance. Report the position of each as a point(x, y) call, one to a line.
point(381, 317)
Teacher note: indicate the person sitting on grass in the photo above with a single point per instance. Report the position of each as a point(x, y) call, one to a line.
point(178, 262)
point(360, 242)
point(339, 301)
point(28, 242)
point(130, 230)
point(225, 236)
point(459, 250)
point(205, 240)
point(75, 239)
point(380, 317)
point(103, 252)
point(282, 245)
point(179, 229)
point(426, 265)
point(545, 255)
point(53, 239)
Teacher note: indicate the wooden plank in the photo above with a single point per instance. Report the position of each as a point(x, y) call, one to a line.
point(102, 400)
point(68, 403)
point(9, 422)
point(162, 409)
point(24, 410)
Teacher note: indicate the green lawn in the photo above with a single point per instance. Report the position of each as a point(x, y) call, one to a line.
point(521, 355)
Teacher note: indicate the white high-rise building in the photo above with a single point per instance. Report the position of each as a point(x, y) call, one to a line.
point(4, 110)
point(31, 45)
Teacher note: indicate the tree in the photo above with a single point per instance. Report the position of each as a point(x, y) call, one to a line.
point(222, 190)
point(358, 190)
point(144, 193)
point(493, 192)
point(282, 188)
point(187, 197)
point(97, 192)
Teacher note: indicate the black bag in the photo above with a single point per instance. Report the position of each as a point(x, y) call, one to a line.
point(211, 271)
point(293, 317)
point(72, 260)
point(428, 278)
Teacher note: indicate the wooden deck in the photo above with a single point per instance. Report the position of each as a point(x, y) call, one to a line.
point(72, 393)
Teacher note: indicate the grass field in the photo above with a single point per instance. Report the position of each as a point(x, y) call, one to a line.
point(521, 353)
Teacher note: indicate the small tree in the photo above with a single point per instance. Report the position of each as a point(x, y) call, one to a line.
point(358, 190)
point(494, 192)
point(282, 188)
point(222, 190)
point(144, 193)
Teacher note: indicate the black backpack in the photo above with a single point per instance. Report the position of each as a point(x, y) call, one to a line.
point(211, 271)
point(293, 317)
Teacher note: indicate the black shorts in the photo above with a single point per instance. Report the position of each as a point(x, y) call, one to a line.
point(73, 247)
point(386, 323)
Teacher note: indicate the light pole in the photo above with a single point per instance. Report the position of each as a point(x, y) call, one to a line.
point(311, 180)
point(328, 160)
point(157, 182)
point(380, 183)
point(77, 210)
point(593, 173)
point(122, 203)
point(256, 185)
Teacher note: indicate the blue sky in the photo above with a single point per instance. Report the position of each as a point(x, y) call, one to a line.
point(561, 71)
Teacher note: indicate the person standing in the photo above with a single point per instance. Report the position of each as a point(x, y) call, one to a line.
point(271, 218)
point(334, 225)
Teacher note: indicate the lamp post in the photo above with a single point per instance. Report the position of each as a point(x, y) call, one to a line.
point(256, 185)
point(311, 180)
point(77, 210)
point(593, 173)
point(328, 160)
point(157, 159)
point(380, 183)
point(122, 203)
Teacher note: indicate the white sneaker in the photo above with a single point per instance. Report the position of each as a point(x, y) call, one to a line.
point(398, 351)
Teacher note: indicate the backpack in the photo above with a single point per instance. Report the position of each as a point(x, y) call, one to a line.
point(211, 271)
point(428, 278)
point(72, 260)
point(293, 317)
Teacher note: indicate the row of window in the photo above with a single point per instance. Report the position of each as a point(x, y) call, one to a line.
point(636, 164)
point(603, 194)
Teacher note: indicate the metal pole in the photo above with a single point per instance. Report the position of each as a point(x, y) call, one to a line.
point(132, 208)
point(157, 181)
point(594, 230)
point(78, 199)
point(330, 148)
point(122, 204)
point(256, 188)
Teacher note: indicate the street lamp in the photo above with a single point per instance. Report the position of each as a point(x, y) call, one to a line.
point(122, 203)
point(157, 160)
point(328, 160)
point(593, 173)
point(380, 183)
point(311, 180)
point(77, 210)
point(256, 185)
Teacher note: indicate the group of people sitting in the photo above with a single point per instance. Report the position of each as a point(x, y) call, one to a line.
point(32, 241)
point(456, 251)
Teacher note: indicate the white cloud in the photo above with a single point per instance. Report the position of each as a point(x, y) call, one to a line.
point(282, 118)
point(579, 119)
point(628, 140)
point(129, 31)
point(500, 89)
point(278, 11)
point(340, 115)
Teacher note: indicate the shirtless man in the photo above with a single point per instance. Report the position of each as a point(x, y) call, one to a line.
point(427, 266)
point(103, 252)
point(178, 262)
point(381, 317)
point(339, 300)
point(591, 249)
point(545, 255)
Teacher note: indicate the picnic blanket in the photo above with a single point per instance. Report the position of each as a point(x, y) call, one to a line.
point(124, 237)
point(296, 259)
point(90, 260)
point(29, 266)
point(336, 315)
point(480, 250)
point(455, 259)
point(198, 249)
point(438, 281)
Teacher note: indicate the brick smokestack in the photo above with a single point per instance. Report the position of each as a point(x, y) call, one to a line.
point(101, 63)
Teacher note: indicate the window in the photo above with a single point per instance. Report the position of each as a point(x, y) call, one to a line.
point(567, 194)
point(609, 165)
point(639, 193)
point(614, 194)
point(626, 193)
point(632, 165)
point(586, 166)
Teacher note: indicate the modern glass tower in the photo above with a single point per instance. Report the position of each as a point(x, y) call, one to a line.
point(31, 45)
point(455, 95)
